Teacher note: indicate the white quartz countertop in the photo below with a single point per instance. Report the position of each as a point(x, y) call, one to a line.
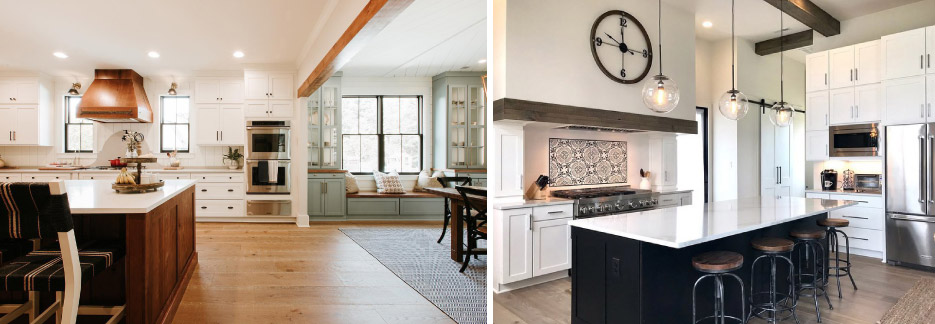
point(523, 203)
point(844, 192)
point(679, 227)
point(149, 169)
point(97, 197)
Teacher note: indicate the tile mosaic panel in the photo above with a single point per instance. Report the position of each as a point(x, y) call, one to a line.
point(574, 162)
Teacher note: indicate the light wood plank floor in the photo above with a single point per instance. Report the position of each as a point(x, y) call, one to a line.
point(880, 285)
point(280, 273)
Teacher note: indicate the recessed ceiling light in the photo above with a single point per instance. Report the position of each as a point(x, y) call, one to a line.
point(482, 61)
point(60, 55)
point(153, 54)
point(238, 54)
point(706, 24)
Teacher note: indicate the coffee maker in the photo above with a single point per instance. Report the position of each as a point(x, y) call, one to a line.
point(829, 179)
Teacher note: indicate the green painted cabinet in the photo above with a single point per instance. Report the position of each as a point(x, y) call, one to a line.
point(324, 126)
point(459, 117)
point(326, 195)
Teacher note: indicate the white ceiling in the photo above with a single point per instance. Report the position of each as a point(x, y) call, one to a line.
point(429, 37)
point(189, 35)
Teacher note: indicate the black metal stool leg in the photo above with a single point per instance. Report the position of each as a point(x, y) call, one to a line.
point(847, 246)
point(447, 219)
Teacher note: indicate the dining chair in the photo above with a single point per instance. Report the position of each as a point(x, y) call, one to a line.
point(475, 219)
point(450, 182)
point(41, 211)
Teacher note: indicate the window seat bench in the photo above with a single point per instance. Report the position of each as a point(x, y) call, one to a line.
point(371, 205)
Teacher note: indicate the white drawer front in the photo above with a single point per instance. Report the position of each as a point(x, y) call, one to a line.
point(862, 238)
point(219, 191)
point(11, 177)
point(861, 217)
point(219, 208)
point(98, 176)
point(865, 201)
point(172, 176)
point(817, 195)
point(45, 177)
point(552, 212)
point(218, 177)
point(669, 200)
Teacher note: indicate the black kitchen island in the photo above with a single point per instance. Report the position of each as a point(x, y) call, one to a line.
point(636, 267)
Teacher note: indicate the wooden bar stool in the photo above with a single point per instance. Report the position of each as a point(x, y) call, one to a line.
point(772, 302)
point(832, 231)
point(717, 264)
point(807, 244)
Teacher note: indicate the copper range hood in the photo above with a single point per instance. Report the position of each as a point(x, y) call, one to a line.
point(116, 96)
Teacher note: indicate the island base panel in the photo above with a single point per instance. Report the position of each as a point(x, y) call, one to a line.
point(621, 280)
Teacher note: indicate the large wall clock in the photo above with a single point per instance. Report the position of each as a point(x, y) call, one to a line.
point(621, 47)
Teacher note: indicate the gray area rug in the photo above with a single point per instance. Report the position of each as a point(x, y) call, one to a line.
point(426, 266)
point(917, 306)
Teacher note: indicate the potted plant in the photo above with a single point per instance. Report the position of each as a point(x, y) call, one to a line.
point(232, 157)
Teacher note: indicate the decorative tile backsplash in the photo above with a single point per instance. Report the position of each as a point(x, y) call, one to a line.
point(575, 162)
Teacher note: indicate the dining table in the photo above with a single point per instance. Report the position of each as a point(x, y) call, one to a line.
point(457, 224)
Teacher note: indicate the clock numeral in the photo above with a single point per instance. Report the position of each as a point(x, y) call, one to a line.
point(623, 73)
point(645, 53)
point(623, 22)
point(598, 41)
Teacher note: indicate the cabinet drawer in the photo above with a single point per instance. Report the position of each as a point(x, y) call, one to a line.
point(669, 200)
point(865, 201)
point(11, 177)
point(45, 177)
point(552, 212)
point(373, 206)
point(218, 177)
point(219, 208)
point(98, 176)
point(861, 217)
point(172, 176)
point(325, 175)
point(817, 195)
point(862, 238)
point(219, 191)
point(422, 206)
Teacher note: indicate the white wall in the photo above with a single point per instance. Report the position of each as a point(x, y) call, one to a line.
point(873, 26)
point(548, 56)
point(723, 131)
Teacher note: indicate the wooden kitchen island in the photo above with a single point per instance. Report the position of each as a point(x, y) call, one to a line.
point(159, 231)
point(636, 267)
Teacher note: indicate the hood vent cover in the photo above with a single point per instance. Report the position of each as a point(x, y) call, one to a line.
point(116, 96)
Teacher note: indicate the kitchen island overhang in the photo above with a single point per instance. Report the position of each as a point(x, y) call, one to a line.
point(636, 267)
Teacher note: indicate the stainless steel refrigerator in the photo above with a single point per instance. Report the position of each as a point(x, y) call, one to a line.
point(910, 194)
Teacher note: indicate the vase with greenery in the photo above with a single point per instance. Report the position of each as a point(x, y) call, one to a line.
point(232, 158)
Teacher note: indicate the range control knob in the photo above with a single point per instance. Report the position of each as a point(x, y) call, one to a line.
point(583, 210)
point(618, 206)
point(633, 204)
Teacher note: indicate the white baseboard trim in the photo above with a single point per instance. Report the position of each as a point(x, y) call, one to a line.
point(866, 253)
point(287, 219)
point(502, 288)
point(301, 221)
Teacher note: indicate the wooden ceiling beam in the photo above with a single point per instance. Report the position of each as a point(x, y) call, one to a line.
point(375, 16)
point(809, 14)
point(787, 42)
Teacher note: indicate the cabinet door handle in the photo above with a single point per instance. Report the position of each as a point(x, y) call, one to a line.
point(556, 212)
point(852, 75)
point(204, 207)
point(222, 135)
point(529, 219)
point(217, 136)
point(324, 187)
point(856, 112)
point(204, 190)
point(826, 78)
point(859, 238)
point(857, 217)
point(230, 207)
point(14, 136)
point(856, 75)
point(230, 190)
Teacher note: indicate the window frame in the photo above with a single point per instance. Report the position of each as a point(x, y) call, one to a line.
point(381, 148)
point(162, 123)
point(67, 106)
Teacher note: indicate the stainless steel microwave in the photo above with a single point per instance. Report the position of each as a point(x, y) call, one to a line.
point(860, 140)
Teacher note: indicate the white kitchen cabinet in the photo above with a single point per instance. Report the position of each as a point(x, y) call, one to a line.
point(841, 67)
point(11, 177)
point(25, 111)
point(516, 259)
point(663, 161)
point(216, 194)
point(816, 145)
point(551, 246)
point(817, 107)
point(109, 176)
point(816, 72)
point(859, 104)
point(19, 91)
point(269, 85)
point(930, 50)
point(816, 195)
point(930, 95)
point(903, 54)
point(904, 101)
point(775, 159)
point(508, 147)
point(867, 222)
point(842, 106)
point(21, 125)
point(269, 108)
point(674, 199)
point(220, 124)
point(219, 90)
point(45, 176)
point(867, 63)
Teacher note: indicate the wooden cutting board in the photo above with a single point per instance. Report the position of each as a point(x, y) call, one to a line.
point(66, 168)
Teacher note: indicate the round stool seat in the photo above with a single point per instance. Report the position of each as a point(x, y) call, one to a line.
point(808, 233)
point(833, 222)
point(717, 261)
point(772, 244)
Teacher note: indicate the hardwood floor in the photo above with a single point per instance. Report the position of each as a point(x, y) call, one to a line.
point(280, 273)
point(880, 287)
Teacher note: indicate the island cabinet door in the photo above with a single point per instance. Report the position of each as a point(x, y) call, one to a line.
point(517, 252)
point(551, 246)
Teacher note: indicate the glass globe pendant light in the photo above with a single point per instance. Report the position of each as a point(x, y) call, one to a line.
point(660, 93)
point(733, 103)
point(781, 112)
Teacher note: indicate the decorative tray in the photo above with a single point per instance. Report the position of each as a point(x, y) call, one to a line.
point(137, 188)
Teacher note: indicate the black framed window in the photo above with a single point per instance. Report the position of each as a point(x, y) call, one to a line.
point(174, 125)
point(79, 132)
point(382, 133)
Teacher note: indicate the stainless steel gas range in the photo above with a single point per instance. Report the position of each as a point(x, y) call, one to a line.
point(592, 202)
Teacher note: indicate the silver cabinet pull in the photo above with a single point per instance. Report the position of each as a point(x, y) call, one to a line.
point(324, 187)
point(921, 170)
point(856, 76)
point(529, 219)
point(859, 238)
point(857, 217)
point(556, 212)
point(852, 75)
point(826, 78)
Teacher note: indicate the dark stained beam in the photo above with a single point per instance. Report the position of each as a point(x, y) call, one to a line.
point(809, 14)
point(375, 16)
point(787, 42)
point(508, 109)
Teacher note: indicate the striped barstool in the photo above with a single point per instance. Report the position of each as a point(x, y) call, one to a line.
point(832, 231)
point(770, 304)
point(717, 264)
point(810, 254)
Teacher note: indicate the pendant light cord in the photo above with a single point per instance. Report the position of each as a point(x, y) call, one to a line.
point(733, 48)
point(782, 48)
point(660, 37)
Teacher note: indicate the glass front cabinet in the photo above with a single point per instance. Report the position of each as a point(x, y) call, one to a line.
point(459, 102)
point(324, 126)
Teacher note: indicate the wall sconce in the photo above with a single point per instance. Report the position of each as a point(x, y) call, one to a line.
point(172, 88)
point(74, 89)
